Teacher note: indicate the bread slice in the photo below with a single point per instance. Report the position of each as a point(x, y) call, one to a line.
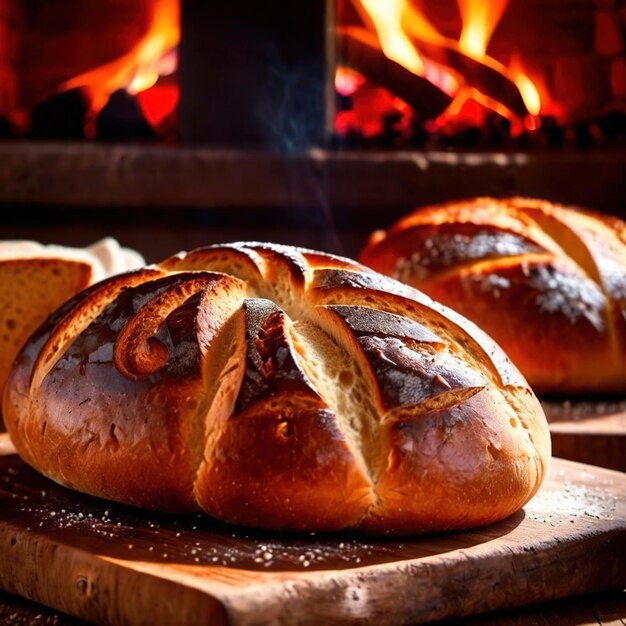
point(36, 279)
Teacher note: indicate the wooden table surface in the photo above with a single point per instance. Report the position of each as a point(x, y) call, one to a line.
point(600, 427)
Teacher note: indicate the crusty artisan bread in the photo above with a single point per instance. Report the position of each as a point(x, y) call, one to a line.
point(278, 387)
point(36, 279)
point(547, 282)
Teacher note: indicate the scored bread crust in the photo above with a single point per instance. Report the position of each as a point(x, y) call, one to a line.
point(547, 282)
point(282, 388)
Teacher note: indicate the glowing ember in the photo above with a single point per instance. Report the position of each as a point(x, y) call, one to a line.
point(158, 102)
point(347, 81)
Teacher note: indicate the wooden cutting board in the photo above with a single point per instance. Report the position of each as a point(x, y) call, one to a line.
point(108, 563)
point(589, 431)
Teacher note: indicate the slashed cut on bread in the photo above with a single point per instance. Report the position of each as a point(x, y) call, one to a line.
point(547, 282)
point(36, 279)
point(282, 388)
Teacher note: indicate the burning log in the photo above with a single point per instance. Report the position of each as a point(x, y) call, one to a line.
point(484, 78)
point(403, 25)
point(358, 50)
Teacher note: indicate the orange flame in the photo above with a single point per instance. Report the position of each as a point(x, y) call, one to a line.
point(479, 21)
point(387, 18)
point(151, 57)
point(401, 27)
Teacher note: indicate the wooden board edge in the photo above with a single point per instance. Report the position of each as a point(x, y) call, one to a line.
point(339, 597)
point(372, 596)
point(94, 590)
point(407, 592)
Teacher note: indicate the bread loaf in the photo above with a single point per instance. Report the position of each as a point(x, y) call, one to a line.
point(547, 282)
point(281, 388)
point(36, 279)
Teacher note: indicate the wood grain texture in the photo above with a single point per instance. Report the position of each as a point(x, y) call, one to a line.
point(606, 609)
point(588, 431)
point(600, 609)
point(106, 563)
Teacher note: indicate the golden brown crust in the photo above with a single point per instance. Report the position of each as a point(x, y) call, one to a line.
point(547, 282)
point(277, 387)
